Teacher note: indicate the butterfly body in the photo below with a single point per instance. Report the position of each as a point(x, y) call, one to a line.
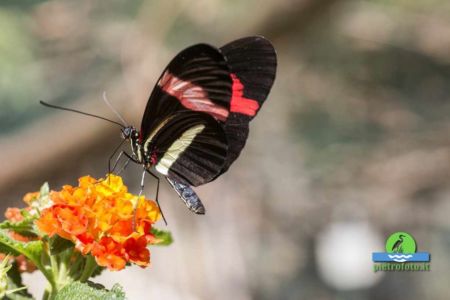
point(139, 154)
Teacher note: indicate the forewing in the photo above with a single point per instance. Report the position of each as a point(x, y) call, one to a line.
point(197, 79)
point(252, 62)
point(190, 147)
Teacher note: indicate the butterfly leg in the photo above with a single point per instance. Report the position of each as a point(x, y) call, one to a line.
point(110, 170)
point(115, 163)
point(124, 166)
point(130, 157)
point(140, 193)
point(142, 182)
point(118, 157)
point(157, 193)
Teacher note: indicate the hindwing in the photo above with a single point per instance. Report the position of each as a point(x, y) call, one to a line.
point(190, 147)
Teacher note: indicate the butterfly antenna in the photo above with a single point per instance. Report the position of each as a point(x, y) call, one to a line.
point(79, 112)
point(113, 110)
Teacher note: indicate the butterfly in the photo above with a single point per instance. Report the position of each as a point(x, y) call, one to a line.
point(196, 121)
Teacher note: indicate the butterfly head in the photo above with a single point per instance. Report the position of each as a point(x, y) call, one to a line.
point(130, 132)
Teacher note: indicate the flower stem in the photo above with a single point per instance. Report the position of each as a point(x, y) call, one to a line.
point(54, 265)
point(63, 273)
point(75, 266)
point(52, 288)
point(89, 268)
point(50, 292)
point(46, 294)
point(49, 276)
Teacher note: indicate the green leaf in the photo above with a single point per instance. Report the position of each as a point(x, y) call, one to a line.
point(24, 227)
point(89, 291)
point(14, 275)
point(8, 250)
point(58, 244)
point(14, 282)
point(44, 200)
point(32, 250)
point(18, 295)
point(164, 237)
point(99, 270)
point(45, 190)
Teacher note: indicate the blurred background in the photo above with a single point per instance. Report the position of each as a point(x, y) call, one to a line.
point(352, 145)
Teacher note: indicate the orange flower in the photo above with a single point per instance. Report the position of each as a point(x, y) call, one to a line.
point(23, 264)
point(109, 253)
point(30, 197)
point(137, 252)
point(13, 214)
point(102, 219)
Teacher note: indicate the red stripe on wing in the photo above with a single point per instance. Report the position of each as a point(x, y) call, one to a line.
point(191, 96)
point(240, 104)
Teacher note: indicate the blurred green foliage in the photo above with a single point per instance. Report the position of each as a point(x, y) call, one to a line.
point(20, 76)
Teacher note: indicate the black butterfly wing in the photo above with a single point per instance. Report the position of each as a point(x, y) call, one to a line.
point(197, 117)
point(252, 62)
point(197, 79)
point(190, 147)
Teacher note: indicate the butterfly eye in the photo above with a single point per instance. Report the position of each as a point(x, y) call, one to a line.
point(126, 132)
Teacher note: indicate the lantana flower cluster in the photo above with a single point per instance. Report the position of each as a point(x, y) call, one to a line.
point(102, 219)
point(74, 234)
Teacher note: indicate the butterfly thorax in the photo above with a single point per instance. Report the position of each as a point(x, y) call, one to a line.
point(143, 153)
